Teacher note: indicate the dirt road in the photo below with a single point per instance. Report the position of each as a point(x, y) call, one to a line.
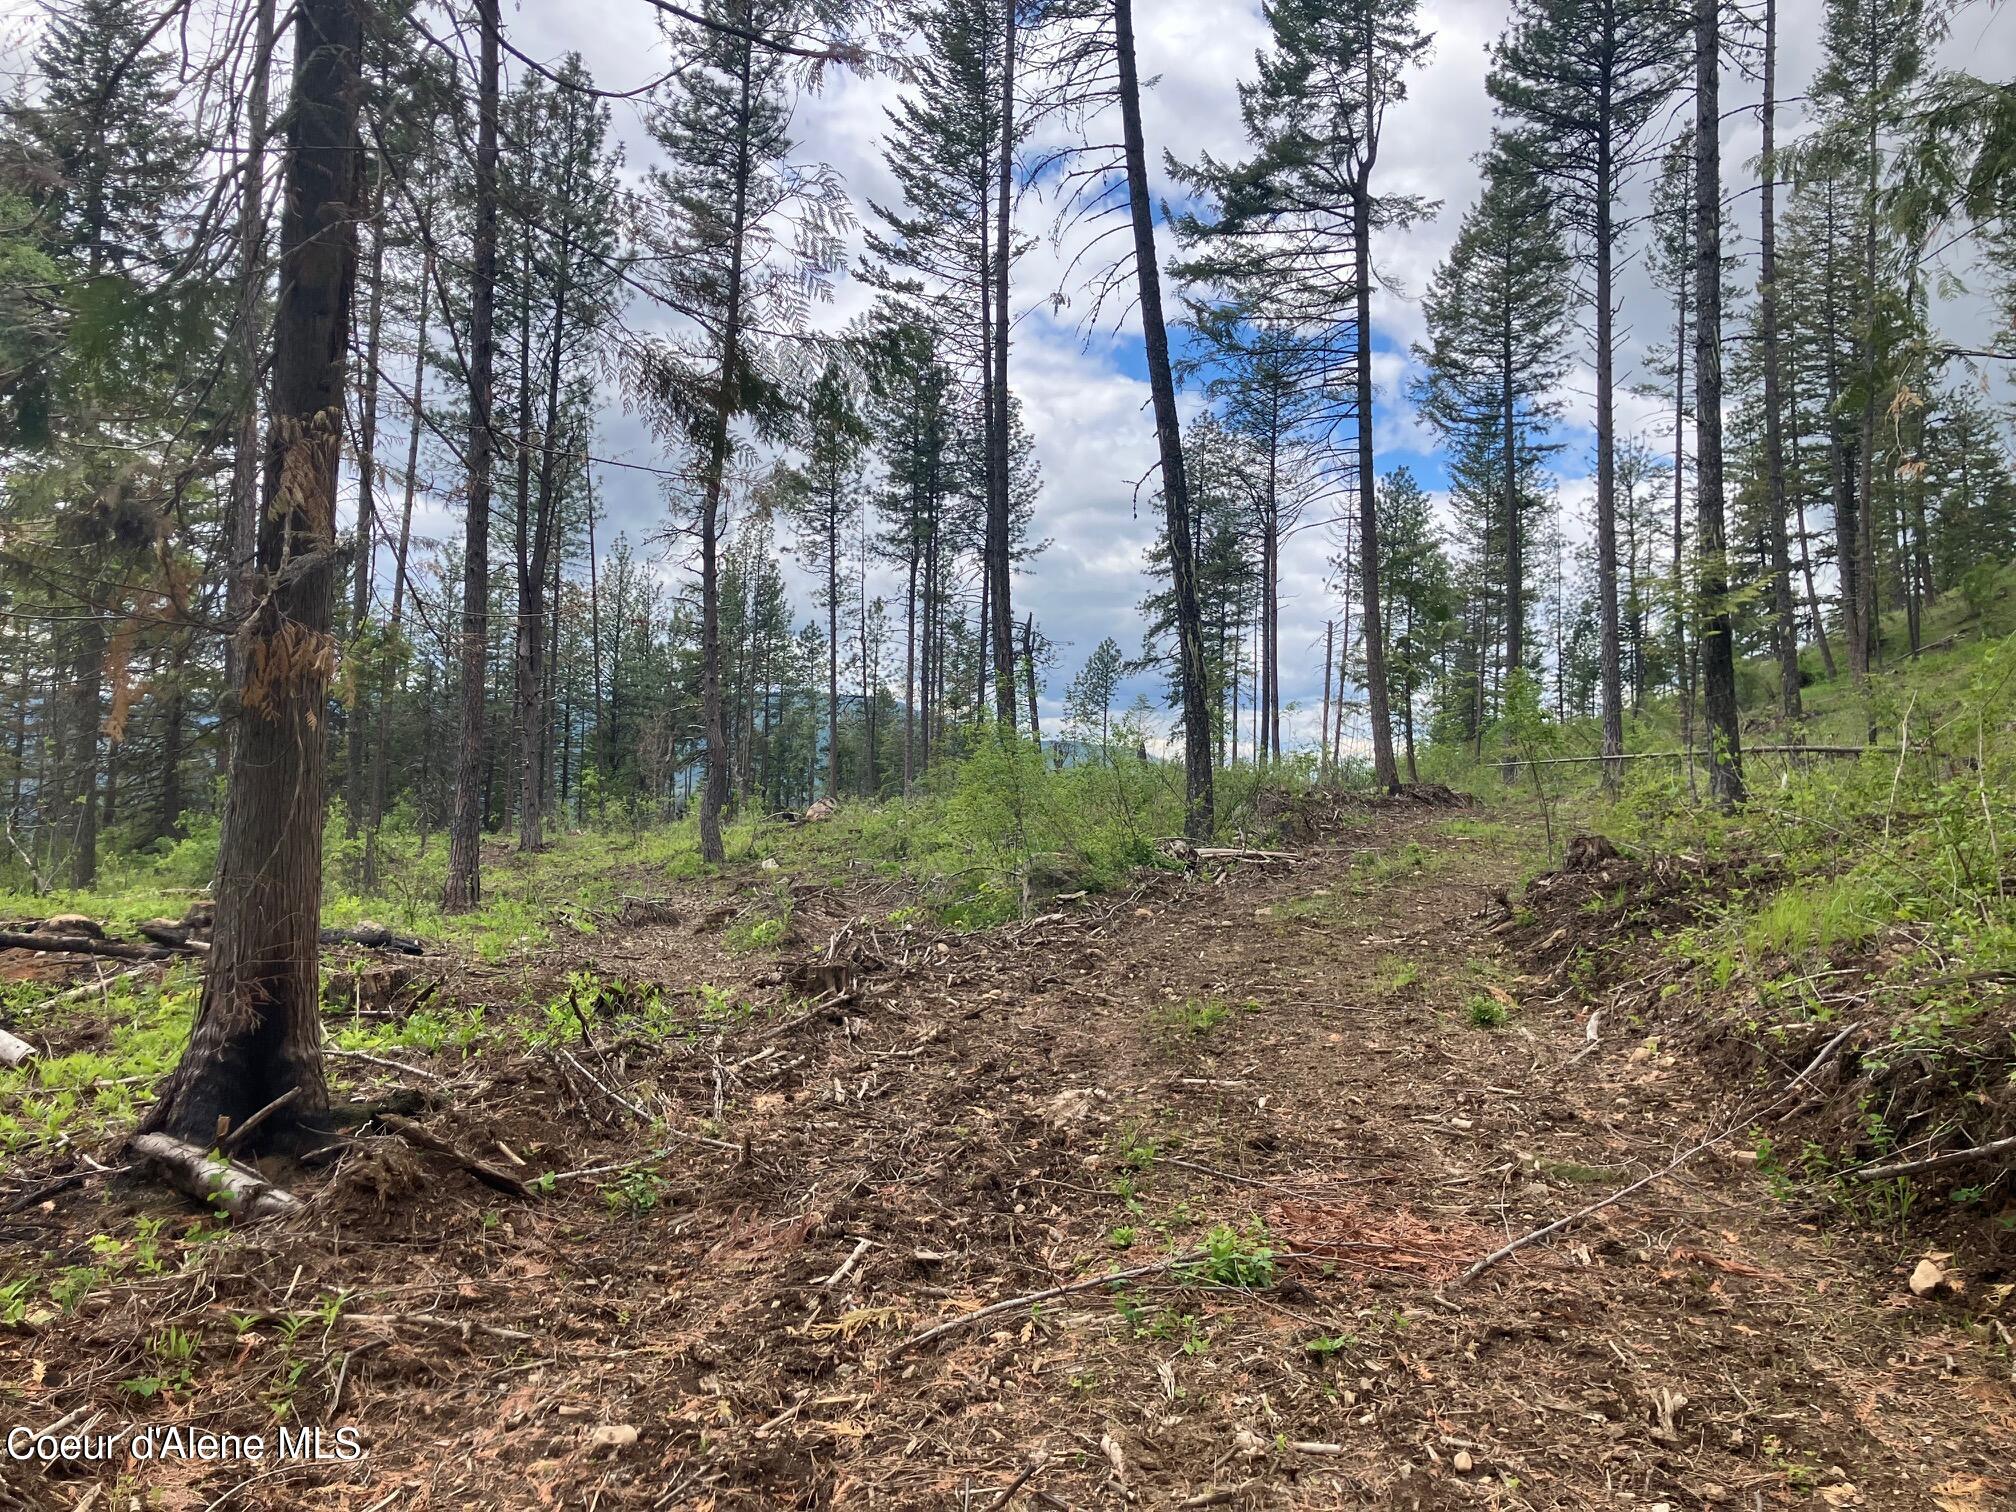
point(1319, 1081)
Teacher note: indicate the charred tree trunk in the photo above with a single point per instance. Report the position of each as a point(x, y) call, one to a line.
point(257, 1031)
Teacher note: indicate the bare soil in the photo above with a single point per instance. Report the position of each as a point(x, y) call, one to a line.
point(1287, 1050)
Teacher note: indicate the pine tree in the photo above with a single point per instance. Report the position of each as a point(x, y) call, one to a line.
point(1497, 318)
point(560, 194)
point(1193, 684)
point(463, 888)
point(950, 249)
point(1088, 701)
point(1874, 52)
point(1315, 118)
point(1718, 630)
point(257, 1035)
point(716, 232)
point(821, 495)
point(914, 417)
point(1586, 78)
point(101, 411)
point(1419, 591)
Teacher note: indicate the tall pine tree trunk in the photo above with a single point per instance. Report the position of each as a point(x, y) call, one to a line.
point(1515, 563)
point(1193, 675)
point(1784, 612)
point(1611, 658)
point(1001, 627)
point(533, 609)
point(714, 790)
point(258, 1029)
point(241, 517)
point(389, 686)
point(1384, 772)
point(463, 889)
point(1717, 637)
point(363, 568)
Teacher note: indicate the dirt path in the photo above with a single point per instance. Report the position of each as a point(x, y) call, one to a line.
point(1294, 1069)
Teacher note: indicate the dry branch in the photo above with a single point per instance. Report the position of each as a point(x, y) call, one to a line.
point(235, 1139)
point(1936, 1162)
point(482, 1170)
point(1011, 1304)
point(389, 1065)
point(15, 1051)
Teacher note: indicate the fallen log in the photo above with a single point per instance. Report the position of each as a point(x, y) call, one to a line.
point(239, 1190)
point(167, 933)
point(373, 937)
point(15, 1051)
point(118, 950)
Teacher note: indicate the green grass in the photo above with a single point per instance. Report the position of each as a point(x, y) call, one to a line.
point(89, 1094)
point(1194, 1018)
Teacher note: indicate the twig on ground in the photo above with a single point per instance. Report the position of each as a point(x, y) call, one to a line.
point(427, 1139)
point(63, 1183)
point(389, 1065)
point(1029, 1472)
point(1934, 1162)
point(995, 1309)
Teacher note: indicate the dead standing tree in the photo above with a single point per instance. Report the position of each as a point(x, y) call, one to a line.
point(257, 1032)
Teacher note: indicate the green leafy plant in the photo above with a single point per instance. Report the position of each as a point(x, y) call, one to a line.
point(1486, 1012)
point(1241, 1257)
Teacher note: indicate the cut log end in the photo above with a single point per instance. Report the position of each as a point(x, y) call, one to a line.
point(15, 1051)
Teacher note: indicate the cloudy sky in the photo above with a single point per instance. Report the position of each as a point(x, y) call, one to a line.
point(1085, 394)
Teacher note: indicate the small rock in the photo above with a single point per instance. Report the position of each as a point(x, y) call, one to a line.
point(1928, 1277)
point(769, 863)
point(1463, 1463)
point(611, 1436)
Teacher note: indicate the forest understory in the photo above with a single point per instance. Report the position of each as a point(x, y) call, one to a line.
point(830, 1223)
